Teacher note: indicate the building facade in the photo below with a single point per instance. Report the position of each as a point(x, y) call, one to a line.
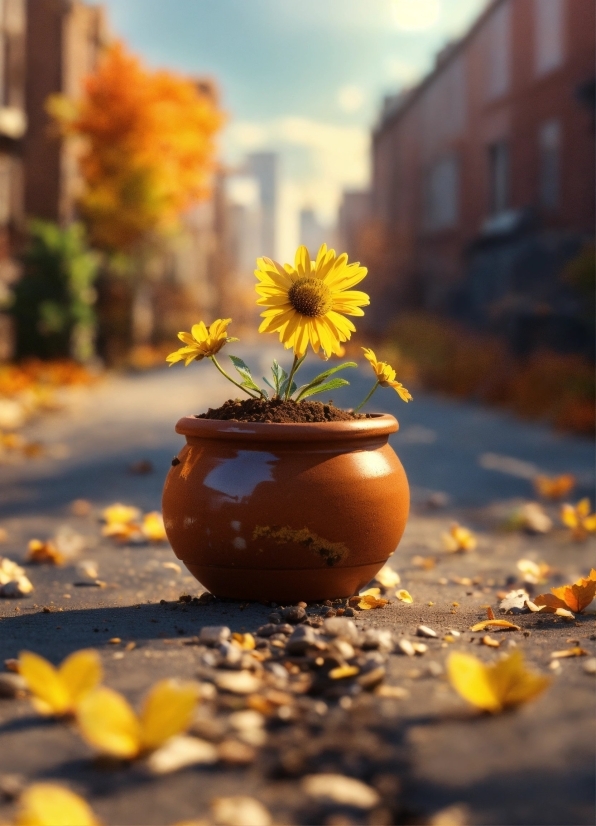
point(483, 175)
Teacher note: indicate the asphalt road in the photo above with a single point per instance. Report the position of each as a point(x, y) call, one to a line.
point(428, 754)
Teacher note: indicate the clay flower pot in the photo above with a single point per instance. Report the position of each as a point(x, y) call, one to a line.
point(285, 512)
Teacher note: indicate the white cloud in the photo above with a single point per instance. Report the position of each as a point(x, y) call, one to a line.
point(416, 15)
point(350, 98)
point(401, 71)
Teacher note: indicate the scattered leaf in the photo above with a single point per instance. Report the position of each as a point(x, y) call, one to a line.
point(490, 641)
point(119, 514)
point(459, 539)
point(44, 552)
point(239, 810)
point(425, 562)
point(533, 572)
point(504, 684)
point(490, 614)
point(108, 722)
point(532, 518)
point(181, 751)
point(515, 602)
point(13, 580)
point(554, 487)
point(575, 597)
point(388, 577)
point(343, 671)
point(58, 691)
point(579, 519)
point(576, 651)
point(153, 527)
point(47, 804)
point(245, 641)
point(495, 623)
point(404, 596)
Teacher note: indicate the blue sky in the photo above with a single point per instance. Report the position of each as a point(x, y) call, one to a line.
point(302, 77)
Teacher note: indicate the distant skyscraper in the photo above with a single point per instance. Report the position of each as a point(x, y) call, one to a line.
point(312, 232)
point(264, 167)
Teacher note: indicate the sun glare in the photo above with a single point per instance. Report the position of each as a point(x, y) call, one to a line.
point(416, 15)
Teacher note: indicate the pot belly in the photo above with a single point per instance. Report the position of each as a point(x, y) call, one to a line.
point(284, 525)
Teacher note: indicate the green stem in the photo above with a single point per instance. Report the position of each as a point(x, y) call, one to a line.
point(295, 366)
point(229, 378)
point(362, 403)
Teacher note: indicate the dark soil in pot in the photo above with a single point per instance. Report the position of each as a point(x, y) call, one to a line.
point(279, 411)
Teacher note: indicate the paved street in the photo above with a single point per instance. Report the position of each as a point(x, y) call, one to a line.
point(425, 752)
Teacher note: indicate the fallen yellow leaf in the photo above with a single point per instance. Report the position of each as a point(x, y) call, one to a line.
point(576, 651)
point(575, 597)
point(579, 519)
point(554, 487)
point(120, 514)
point(495, 623)
point(459, 539)
point(245, 641)
point(404, 596)
point(153, 527)
point(490, 641)
point(343, 671)
point(47, 804)
point(58, 691)
point(107, 721)
point(388, 577)
point(504, 684)
point(44, 552)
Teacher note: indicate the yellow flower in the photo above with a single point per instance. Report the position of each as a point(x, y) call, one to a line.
point(108, 722)
point(505, 684)
point(579, 519)
point(201, 342)
point(307, 303)
point(153, 527)
point(386, 375)
point(47, 804)
point(59, 690)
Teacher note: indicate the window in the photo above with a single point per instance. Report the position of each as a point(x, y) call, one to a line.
point(549, 141)
point(549, 34)
point(498, 56)
point(498, 164)
point(442, 194)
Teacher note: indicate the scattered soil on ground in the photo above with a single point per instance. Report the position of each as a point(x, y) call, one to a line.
point(278, 411)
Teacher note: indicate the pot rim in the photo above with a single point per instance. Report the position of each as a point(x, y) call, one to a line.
point(379, 424)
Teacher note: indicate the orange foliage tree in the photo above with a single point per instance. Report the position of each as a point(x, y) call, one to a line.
point(147, 148)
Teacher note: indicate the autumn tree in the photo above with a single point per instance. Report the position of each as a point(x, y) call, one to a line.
point(147, 148)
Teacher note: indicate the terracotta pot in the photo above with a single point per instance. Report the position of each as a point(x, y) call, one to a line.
point(285, 512)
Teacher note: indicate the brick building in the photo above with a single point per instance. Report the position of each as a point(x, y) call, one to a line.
point(483, 174)
point(64, 40)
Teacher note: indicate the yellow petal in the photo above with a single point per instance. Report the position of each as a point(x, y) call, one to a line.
point(470, 678)
point(583, 507)
point(81, 672)
point(46, 804)
point(404, 596)
point(569, 516)
point(167, 711)
point(108, 722)
point(388, 577)
point(44, 682)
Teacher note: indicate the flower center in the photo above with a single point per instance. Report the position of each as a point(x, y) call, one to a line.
point(310, 297)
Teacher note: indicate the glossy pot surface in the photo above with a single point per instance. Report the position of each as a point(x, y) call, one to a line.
point(285, 512)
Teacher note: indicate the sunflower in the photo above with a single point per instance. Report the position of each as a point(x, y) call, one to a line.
point(386, 375)
point(307, 303)
point(201, 342)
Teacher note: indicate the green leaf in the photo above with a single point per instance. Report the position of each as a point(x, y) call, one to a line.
point(322, 388)
point(279, 376)
point(244, 371)
point(268, 383)
point(321, 378)
point(284, 387)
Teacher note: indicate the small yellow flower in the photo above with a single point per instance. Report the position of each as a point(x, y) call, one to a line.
point(153, 527)
point(307, 303)
point(579, 519)
point(386, 375)
point(201, 342)
point(47, 804)
point(58, 691)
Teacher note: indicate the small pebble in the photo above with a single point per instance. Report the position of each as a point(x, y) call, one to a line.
point(267, 630)
point(406, 647)
point(341, 627)
point(12, 686)
point(377, 638)
point(340, 790)
point(214, 634)
point(275, 617)
point(301, 640)
point(434, 669)
point(425, 631)
point(293, 614)
point(349, 612)
point(590, 666)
